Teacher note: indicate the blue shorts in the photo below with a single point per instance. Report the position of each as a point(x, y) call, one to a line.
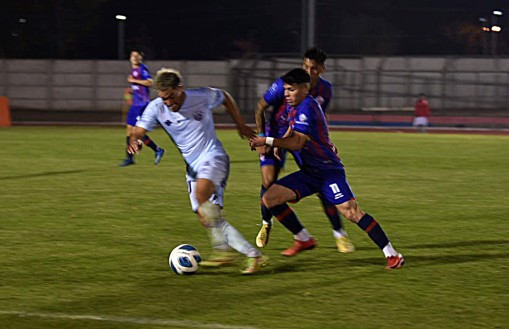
point(134, 114)
point(271, 160)
point(331, 184)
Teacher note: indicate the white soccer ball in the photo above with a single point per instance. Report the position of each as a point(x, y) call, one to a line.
point(184, 259)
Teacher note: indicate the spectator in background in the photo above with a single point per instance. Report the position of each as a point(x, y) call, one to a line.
point(141, 81)
point(422, 113)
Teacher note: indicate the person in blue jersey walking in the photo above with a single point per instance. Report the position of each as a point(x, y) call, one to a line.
point(186, 115)
point(141, 81)
point(274, 123)
point(321, 171)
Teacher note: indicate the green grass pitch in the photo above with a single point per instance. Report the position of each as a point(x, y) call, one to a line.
point(84, 243)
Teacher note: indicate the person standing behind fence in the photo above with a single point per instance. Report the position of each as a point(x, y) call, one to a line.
point(422, 113)
point(141, 81)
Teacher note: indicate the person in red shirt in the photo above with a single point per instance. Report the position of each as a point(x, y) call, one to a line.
point(422, 113)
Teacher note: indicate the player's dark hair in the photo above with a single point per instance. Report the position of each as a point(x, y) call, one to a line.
point(296, 76)
point(316, 54)
point(142, 54)
point(167, 78)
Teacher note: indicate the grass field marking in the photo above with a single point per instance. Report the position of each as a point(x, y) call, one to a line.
point(120, 319)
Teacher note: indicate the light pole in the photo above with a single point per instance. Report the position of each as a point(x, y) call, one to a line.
point(120, 35)
point(495, 29)
point(484, 30)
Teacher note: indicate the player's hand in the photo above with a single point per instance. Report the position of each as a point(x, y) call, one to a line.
point(245, 131)
point(334, 148)
point(263, 150)
point(256, 141)
point(135, 147)
point(131, 79)
point(278, 153)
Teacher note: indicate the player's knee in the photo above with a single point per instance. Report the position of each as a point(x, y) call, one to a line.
point(269, 200)
point(351, 211)
point(209, 213)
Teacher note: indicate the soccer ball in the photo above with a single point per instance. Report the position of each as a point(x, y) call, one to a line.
point(184, 259)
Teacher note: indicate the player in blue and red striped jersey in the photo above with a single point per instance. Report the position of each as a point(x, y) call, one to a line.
point(141, 81)
point(321, 172)
point(276, 125)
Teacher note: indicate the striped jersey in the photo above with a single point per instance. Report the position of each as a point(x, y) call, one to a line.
point(318, 153)
point(277, 123)
point(141, 94)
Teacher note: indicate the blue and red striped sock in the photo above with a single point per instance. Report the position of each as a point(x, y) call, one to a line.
point(369, 225)
point(150, 143)
point(286, 216)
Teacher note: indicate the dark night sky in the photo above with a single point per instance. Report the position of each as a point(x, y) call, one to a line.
point(199, 29)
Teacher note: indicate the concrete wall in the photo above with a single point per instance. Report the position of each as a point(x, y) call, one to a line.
point(89, 85)
point(366, 82)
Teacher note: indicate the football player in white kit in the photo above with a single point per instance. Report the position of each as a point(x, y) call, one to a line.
point(186, 115)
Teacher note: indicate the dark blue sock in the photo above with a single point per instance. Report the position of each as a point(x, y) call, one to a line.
point(129, 156)
point(287, 217)
point(266, 214)
point(369, 225)
point(149, 142)
point(332, 213)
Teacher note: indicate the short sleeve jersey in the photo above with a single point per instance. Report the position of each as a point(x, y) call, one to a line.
point(322, 92)
point(275, 97)
point(141, 94)
point(317, 154)
point(278, 123)
point(192, 127)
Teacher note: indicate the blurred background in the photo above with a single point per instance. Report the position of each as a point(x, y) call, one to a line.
point(67, 61)
point(200, 29)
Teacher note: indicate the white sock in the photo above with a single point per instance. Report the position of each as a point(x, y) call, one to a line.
point(212, 213)
point(339, 234)
point(269, 222)
point(235, 240)
point(389, 250)
point(303, 235)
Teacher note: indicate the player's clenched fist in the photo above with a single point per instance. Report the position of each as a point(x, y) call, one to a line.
point(134, 146)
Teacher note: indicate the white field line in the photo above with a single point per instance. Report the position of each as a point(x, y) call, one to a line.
point(120, 319)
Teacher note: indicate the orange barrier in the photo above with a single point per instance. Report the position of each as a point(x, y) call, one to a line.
point(5, 112)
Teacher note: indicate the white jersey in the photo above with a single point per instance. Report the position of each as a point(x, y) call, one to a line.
point(192, 127)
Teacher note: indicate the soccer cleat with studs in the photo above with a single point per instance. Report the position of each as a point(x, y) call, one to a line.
point(220, 258)
point(299, 246)
point(394, 262)
point(253, 264)
point(159, 155)
point(344, 245)
point(127, 162)
point(262, 239)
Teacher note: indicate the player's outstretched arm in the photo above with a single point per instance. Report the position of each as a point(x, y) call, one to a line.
point(135, 140)
point(233, 110)
point(294, 142)
point(143, 82)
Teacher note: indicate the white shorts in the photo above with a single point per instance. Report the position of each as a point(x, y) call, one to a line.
point(215, 168)
point(420, 121)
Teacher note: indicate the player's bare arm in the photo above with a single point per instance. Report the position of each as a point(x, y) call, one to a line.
point(146, 83)
point(233, 110)
point(294, 142)
point(135, 140)
point(260, 123)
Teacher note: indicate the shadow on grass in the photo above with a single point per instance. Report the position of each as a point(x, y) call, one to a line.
point(456, 244)
point(43, 174)
point(429, 260)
